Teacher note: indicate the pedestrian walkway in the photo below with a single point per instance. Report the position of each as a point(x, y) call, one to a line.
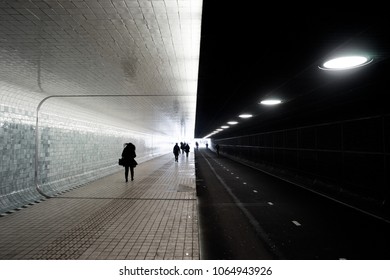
point(153, 217)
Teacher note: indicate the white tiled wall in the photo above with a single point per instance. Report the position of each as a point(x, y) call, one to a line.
point(72, 151)
point(148, 49)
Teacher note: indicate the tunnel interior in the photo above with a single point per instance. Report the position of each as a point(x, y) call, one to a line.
point(81, 78)
point(329, 133)
point(164, 71)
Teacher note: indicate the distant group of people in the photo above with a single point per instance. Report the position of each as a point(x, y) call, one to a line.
point(184, 147)
point(129, 162)
point(128, 157)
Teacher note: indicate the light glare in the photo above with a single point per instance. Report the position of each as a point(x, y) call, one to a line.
point(232, 122)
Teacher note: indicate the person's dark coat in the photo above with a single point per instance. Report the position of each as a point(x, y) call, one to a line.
point(187, 149)
point(128, 155)
point(176, 150)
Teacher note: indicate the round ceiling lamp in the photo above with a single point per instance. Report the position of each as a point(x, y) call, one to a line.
point(245, 116)
point(345, 63)
point(270, 102)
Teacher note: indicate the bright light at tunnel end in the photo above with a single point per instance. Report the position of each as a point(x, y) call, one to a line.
point(345, 63)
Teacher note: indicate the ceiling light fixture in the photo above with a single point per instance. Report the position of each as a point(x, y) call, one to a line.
point(270, 102)
point(232, 122)
point(245, 116)
point(225, 126)
point(345, 63)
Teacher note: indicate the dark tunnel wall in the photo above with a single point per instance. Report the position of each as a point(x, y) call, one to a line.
point(346, 160)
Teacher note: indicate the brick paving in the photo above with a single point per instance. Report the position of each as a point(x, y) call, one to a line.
point(153, 217)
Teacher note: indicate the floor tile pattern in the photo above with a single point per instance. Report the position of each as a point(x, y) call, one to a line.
point(153, 217)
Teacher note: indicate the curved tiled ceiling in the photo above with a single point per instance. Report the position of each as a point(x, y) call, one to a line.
point(148, 50)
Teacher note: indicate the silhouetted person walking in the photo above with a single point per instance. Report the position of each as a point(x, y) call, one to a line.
point(129, 162)
point(187, 149)
point(182, 147)
point(217, 148)
point(176, 151)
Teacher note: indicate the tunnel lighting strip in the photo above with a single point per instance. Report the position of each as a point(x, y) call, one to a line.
point(37, 136)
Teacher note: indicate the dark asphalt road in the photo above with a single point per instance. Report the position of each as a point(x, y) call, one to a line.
point(247, 214)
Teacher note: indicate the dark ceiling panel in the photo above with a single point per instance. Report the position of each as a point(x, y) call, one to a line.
point(251, 52)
